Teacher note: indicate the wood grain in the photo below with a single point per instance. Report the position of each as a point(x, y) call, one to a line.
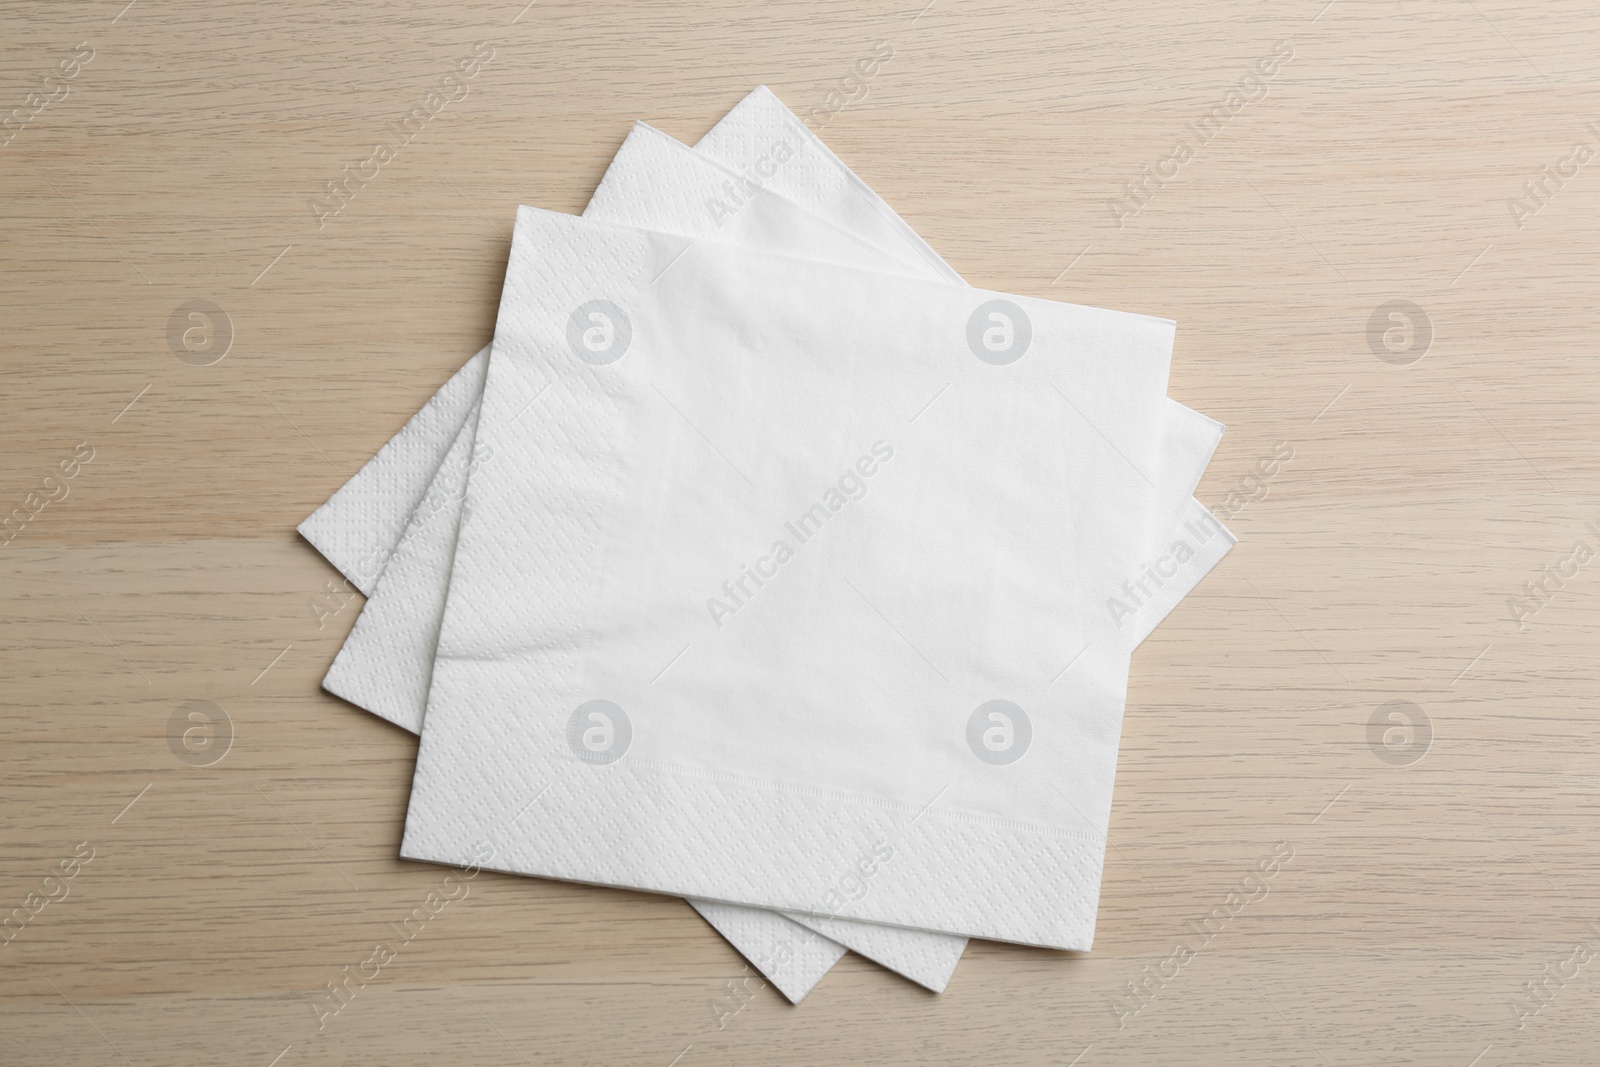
point(1378, 165)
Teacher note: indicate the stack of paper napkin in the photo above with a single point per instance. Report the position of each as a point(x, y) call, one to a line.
point(761, 560)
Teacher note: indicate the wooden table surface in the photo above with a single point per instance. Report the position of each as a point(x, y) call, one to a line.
point(1369, 687)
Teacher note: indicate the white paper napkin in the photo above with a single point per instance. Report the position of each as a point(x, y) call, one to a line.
point(360, 524)
point(584, 557)
point(653, 182)
point(421, 427)
point(386, 666)
point(379, 669)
